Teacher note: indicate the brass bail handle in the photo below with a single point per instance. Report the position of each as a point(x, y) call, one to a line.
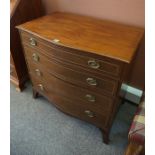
point(41, 87)
point(90, 98)
point(33, 42)
point(35, 57)
point(91, 81)
point(89, 113)
point(38, 72)
point(93, 64)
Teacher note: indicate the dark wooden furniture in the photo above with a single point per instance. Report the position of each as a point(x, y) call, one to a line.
point(79, 63)
point(20, 12)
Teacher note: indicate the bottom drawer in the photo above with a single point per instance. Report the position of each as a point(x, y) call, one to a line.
point(74, 108)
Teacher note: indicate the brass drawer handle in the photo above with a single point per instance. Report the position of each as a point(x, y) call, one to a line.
point(38, 72)
point(89, 113)
point(91, 81)
point(35, 57)
point(90, 98)
point(41, 87)
point(33, 42)
point(93, 64)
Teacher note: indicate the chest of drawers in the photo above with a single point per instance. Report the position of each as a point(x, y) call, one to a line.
point(79, 63)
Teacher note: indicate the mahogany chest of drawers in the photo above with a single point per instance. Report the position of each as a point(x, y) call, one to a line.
point(79, 63)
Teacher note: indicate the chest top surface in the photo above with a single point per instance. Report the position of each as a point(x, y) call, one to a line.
point(105, 38)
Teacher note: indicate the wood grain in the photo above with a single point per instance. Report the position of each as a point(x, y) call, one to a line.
point(73, 56)
point(58, 70)
point(73, 108)
point(71, 73)
point(105, 38)
point(20, 12)
point(102, 104)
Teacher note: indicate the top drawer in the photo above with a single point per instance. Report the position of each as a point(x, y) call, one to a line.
point(92, 62)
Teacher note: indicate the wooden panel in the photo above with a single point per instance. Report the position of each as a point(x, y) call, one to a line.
point(72, 74)
point(72, 56)
point(72, 108)
point(101, 104)
point(105, 38)
point(20, 11)
point(137, 76)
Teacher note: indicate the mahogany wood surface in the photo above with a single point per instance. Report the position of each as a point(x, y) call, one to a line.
point(102, 104)
point(73, 56)
point(59, 68)
point(105, 38)
point(71, 73)
point(74, 108)
point(20, 12)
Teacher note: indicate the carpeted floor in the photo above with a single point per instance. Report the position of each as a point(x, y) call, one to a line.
point(38, 128)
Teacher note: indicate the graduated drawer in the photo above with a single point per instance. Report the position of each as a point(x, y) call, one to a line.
point(96, 113)
point(71, 73)
point(90, 99)
point(86, 59)
point(76, 108)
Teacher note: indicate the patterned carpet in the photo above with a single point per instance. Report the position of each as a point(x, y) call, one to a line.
point(38, 128)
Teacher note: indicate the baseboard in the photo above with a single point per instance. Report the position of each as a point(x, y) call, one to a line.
point(132, 94)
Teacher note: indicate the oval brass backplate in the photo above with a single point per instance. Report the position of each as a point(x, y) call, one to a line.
point(93, 64)
point(35, 57)
point(33, 42)
point(89, 113)
point(41, 87)
point(90, 98)
point(91, 81)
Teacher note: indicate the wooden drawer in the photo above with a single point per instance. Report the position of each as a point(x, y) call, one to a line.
point(72, 74)
point(90, 61)
point(85, 97)
point(73, 108)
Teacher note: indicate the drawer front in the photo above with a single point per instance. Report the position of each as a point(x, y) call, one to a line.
point(85, 97)
point(72, 108)
point(72, 74)
point(84, 59)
